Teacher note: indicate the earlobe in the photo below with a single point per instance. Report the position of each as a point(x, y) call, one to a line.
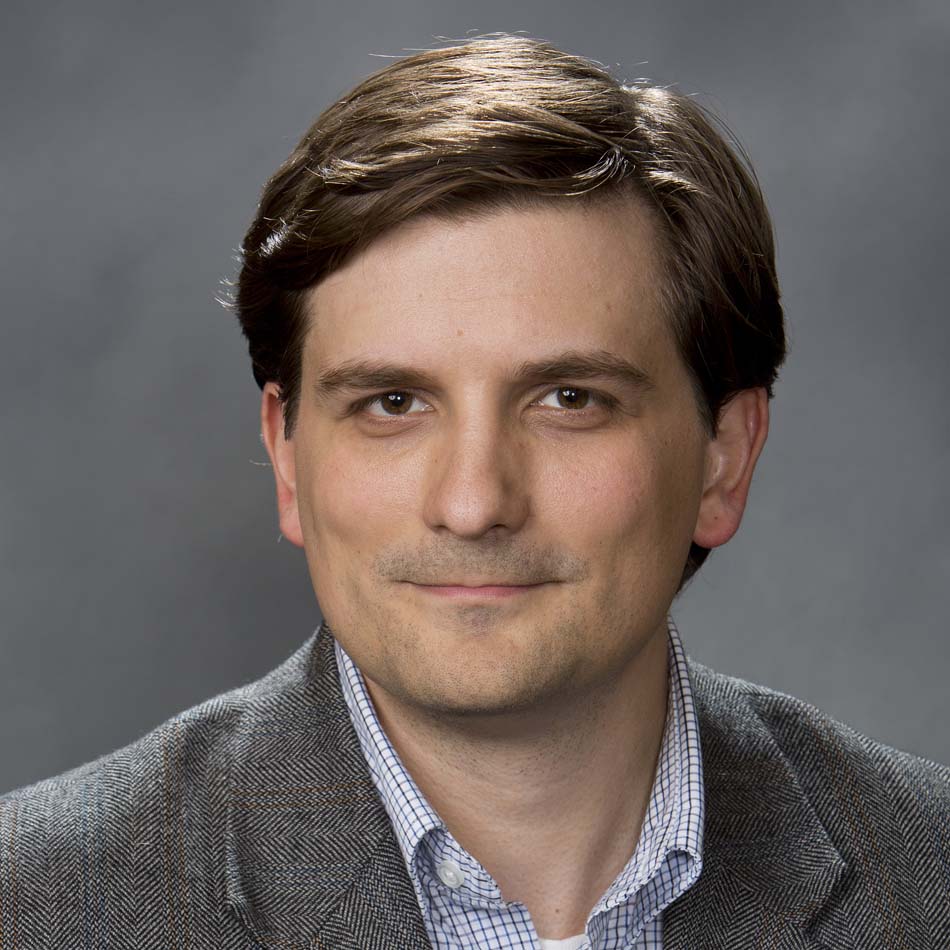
point(730, 463)
point(283, 463)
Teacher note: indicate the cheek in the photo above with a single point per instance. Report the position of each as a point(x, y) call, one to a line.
point(634, 503)
point(343, 507)
point(354, 495)
point(599, 491)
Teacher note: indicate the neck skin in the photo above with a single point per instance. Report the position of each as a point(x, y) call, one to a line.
point(550, 802)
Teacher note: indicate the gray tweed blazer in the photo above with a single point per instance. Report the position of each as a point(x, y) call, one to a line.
point(252, 821)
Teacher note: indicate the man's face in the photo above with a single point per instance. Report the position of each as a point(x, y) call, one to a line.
point(459, 469)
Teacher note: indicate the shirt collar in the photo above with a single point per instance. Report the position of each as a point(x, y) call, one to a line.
point(675, 812)
point(411, 815)
point(674, 818)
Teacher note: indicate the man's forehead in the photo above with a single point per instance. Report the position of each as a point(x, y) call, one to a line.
point(531, 282)
point(548, 248)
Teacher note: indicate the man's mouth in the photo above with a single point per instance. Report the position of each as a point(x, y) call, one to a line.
point(493, 591)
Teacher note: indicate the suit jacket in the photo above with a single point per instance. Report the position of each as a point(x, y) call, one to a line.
point(251, 821)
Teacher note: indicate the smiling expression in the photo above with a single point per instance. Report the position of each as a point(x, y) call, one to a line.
point(495, 401)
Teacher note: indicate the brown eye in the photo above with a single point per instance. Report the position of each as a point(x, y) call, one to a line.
point(395, 403)
point(570, 398)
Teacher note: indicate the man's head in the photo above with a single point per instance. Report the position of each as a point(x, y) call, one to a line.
point(510, 120)
point(558, 296)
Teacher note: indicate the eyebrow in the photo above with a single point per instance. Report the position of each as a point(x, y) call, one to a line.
point(562, 367)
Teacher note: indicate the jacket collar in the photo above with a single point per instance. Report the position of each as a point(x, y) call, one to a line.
point(312, 859)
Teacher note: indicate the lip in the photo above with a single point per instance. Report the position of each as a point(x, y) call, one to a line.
point(485, 592)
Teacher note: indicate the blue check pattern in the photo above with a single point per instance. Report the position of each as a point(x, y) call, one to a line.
point(462, 905)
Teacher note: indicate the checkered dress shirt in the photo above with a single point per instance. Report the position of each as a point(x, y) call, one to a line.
point(462, 905)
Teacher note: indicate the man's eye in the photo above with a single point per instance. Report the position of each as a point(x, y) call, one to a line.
point(572, 397)
point(400, 402)
point(395, 403)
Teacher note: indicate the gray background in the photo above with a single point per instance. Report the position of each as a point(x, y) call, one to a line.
point(140, 569)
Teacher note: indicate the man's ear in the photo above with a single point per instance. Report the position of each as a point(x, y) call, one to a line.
point(281, 452)
point(730, 462)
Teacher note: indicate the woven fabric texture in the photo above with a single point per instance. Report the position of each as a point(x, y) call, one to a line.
point(252, 821)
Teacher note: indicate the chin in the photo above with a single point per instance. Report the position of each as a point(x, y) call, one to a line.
point(487, 680)
point(474, 706)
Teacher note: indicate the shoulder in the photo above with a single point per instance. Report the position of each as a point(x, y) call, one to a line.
point(87, 808)
point(189, 742)
point(860, 787)
point(97, 833)
point(800, 727)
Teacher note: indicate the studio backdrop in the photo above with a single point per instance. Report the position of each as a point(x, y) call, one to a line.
point(141, 569)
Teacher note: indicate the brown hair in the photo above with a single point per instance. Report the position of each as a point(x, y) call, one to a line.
point(507, 120)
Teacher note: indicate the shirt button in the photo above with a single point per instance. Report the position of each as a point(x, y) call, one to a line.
point(450, 874)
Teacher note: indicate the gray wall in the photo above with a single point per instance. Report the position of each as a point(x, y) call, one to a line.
point(140, 569)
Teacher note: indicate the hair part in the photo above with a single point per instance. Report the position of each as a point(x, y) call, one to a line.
point(504, 121)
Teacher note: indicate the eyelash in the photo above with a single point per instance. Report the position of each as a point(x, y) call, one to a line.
point(607, 402)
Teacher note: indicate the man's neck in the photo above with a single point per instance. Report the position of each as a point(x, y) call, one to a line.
point(551, 804)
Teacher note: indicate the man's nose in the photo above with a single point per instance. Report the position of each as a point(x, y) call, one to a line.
point(477, 479)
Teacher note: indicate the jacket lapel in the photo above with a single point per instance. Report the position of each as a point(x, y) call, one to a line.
point(768, 864)
point(312, 860)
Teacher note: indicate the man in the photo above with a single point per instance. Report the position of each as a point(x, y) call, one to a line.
point(516, 327)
